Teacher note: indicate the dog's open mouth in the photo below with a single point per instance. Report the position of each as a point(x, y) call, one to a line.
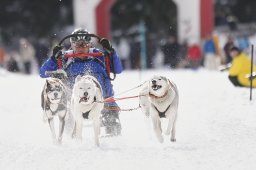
point(83, 99)
point(156, 87)
point(55, 98)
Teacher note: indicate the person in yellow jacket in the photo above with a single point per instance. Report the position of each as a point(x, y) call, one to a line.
point(240, 68)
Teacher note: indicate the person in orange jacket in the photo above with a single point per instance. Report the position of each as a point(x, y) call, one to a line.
point(240, 68)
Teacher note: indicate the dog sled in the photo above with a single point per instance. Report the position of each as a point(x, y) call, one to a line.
point(110, 117)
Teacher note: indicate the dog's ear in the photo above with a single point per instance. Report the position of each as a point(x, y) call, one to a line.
point(98, 86)
point(164, 78)
point(78, 78)
point(98, 94)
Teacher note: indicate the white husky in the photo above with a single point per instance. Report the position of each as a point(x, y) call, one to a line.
point(54, 102)
point(85, 106)
point(159, 99)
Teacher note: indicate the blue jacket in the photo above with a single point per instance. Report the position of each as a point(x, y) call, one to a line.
point(94, 66)
point(209, 47)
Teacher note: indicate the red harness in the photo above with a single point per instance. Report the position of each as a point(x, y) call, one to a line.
point(97, 54)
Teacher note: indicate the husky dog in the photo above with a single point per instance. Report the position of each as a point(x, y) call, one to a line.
point(54, 102)
point(159, 99)
point(85, 105)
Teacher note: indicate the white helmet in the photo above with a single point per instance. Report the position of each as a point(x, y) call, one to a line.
point(82, 37)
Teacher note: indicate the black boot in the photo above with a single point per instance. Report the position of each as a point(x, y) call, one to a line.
point(110, 120)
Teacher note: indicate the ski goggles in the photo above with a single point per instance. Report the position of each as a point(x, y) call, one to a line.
point(81, 43)
point(84, 38)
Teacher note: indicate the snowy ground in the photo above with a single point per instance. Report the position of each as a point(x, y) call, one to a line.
point(216, 128)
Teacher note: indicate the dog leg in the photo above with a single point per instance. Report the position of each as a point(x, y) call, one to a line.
point(172, 120)
point(157, 128)
point(61, 129)
point(78, 129)
point(169, 127)
point(173, 138)
point(74, 131)
point(45, 118)
point(96, 125)
point(51, 124)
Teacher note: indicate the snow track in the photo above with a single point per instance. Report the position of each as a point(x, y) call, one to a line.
point(216, 128)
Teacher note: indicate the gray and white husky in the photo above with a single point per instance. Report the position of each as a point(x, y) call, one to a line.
point(54, 103)
point(159, 99)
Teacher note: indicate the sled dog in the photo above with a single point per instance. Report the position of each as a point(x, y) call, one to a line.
point(53, 103)
point(159, 99)
point(84, 106)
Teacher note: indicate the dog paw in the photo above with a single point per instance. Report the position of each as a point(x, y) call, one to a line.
point(59, 141)
point(161, 139)
point(173, 140)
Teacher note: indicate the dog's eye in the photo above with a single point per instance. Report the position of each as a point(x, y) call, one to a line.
point(80, 88)
point(89, 87)
point(159, 79)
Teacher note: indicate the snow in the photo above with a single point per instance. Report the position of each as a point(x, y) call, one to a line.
point(216, 128)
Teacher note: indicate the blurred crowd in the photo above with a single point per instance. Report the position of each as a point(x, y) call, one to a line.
point(210, 53)
point(24, 56)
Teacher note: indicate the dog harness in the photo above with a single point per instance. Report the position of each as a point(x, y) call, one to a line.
point(86, 114)
point(60, 108)
point(162, 114)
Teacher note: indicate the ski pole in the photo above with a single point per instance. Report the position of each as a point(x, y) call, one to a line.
point(251, 72)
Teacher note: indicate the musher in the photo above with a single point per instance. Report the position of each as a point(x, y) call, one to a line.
point(95, 66)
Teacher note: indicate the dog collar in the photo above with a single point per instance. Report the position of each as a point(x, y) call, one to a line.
point(158, 97)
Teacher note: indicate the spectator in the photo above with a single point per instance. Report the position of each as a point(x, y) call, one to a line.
point(183, 55)
point(158, 58)
point(42, 50)
point(12, 62)
point(211, 60)
point(124, 52)
point(171, 50)
point(2, 56)
point(240, 68)
point(243, 43)
point(27, 54)
point(135, 54)
point(194, 56)
point(227, 47)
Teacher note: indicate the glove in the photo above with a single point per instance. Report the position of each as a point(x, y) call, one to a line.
point(56, 51)
point(60, 74)
point(106, 45)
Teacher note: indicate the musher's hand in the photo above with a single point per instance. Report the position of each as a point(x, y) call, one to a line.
point(60, 74)
point(56, 52)
point(106, 45)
